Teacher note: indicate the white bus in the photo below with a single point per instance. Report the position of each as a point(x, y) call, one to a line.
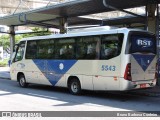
point(101, 60)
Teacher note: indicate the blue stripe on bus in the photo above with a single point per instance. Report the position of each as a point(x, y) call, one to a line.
point(144, 60)
point(54, 70)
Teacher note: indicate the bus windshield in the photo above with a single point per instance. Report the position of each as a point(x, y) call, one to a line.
point(19, 51)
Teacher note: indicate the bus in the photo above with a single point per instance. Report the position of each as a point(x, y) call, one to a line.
point(97, 59)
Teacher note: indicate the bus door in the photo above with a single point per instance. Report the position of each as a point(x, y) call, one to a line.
point(18, 64)
point(31, 73)
point(143, 57)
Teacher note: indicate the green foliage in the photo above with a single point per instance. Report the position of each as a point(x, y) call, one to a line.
point(5, 38)
point(4, 63)
point(5, 41)
point(38, 32)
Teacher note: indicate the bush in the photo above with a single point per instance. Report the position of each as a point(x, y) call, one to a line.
point(4, 63)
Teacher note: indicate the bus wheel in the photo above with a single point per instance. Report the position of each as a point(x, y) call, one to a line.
point(74, 86)
point(22, 81)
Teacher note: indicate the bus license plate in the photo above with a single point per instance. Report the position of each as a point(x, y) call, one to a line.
point(143, 86)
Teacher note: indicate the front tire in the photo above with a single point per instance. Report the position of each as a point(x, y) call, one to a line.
point(74, 86)
point(22, 81)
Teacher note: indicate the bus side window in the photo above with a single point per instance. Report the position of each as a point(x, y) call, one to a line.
point(45, 49)
point(87, 48)
point(111, 46)
point(50, 52)
point(81, 50)
point(31, 52)
point(91, 51)
point(62, 52)
point(70, 51)
point(65, 48)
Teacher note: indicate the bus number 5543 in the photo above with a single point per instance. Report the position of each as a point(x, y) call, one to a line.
point(108, 68)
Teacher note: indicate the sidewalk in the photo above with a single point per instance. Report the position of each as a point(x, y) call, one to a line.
point(5, 73)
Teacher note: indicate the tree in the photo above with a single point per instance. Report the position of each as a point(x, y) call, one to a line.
point(5, 41)
point(37, 31)
point(5, 38)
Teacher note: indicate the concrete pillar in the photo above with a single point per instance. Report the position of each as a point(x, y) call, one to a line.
point(63, 25)
point(12, 38)
point(151, 9)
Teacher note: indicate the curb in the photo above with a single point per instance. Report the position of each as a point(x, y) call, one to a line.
point(151, 94)
point(5, 78)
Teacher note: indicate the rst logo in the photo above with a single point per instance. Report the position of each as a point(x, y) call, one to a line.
point(144, 42)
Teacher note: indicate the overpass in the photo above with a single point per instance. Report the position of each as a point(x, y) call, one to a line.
point(68, 14)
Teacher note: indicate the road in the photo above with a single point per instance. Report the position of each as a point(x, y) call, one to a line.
point(45, 98)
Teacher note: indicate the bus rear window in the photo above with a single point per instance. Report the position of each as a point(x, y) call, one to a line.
point(143, 43)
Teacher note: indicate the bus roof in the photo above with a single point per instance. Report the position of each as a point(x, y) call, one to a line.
point(93, 31)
